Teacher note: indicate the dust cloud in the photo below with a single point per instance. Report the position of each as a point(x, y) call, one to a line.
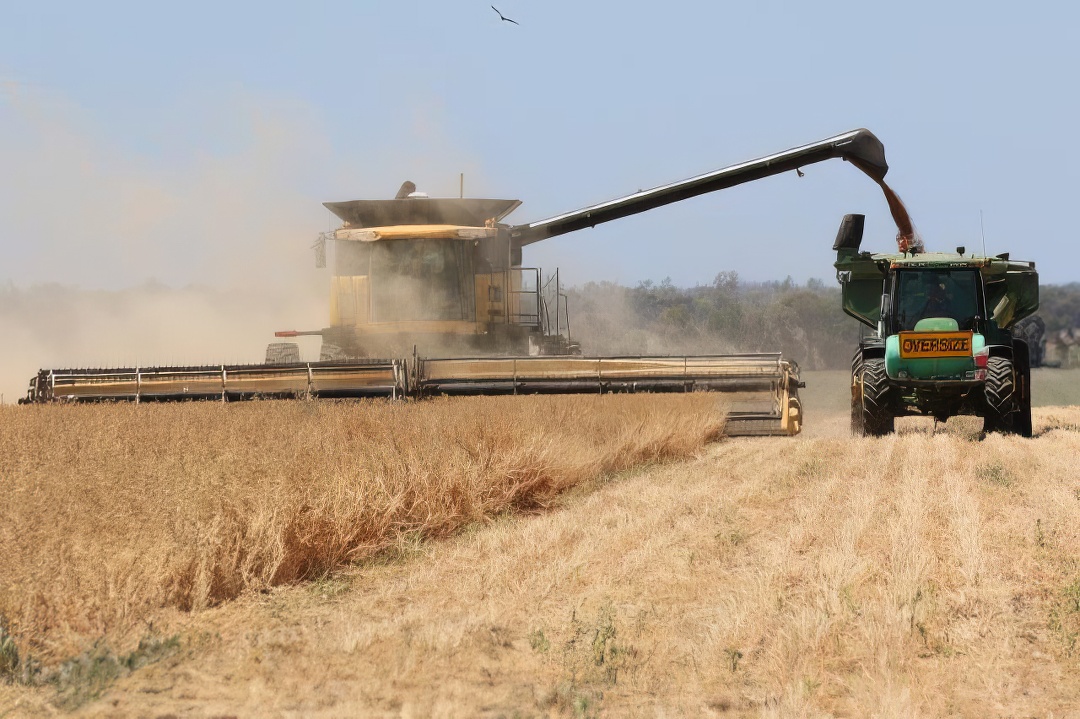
point(188, 242)
point(57, 326)
point(605, 320)
point(145, 253)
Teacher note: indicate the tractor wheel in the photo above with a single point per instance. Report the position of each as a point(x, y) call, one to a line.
point(873, 394)
point(1022, 360)
point(1022, 423)
point(857, 427)
point(1001, 399)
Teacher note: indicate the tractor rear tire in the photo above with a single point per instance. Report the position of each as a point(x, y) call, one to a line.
point(870, 413)
point(1001, 398)
point(857, 427)
point(1022, 361)
point(1022, 423)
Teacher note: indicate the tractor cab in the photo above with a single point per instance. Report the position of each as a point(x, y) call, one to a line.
point(954, 294)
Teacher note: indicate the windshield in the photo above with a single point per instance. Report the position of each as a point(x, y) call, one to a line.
point(415, 280)
point(926, 293)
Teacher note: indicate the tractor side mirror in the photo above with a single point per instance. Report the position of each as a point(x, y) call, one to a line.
point(849, 237)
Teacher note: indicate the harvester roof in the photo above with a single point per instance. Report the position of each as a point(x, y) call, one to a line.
point(414, 232)
point(467, 212)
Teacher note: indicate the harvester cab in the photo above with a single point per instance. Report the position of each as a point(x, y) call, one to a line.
point(940, 343)
point(437, 274)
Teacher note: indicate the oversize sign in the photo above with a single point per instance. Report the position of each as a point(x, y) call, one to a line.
point(935, 344)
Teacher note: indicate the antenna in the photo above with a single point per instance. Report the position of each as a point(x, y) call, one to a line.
point(462, 186)
point(982, 230)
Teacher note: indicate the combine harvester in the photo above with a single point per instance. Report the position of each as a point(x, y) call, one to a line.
point(440, 283)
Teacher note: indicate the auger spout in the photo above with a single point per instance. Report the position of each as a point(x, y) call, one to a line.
point(859, 147)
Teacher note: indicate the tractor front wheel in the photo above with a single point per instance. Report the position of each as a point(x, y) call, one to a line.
point(870, 413)
point(1001, 399)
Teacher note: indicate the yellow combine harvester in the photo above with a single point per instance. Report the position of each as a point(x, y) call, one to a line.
point(440, 283)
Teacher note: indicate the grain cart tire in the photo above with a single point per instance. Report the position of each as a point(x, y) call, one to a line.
point(858, 429)
point(874, 391)
point(1022, 360)
point(1022, 422)
point(1000, 393)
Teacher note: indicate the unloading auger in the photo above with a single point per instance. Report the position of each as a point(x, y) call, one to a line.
point(440, 281)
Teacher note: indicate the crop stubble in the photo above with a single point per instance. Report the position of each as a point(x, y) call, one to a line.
point(114, 511)
point(931, 572)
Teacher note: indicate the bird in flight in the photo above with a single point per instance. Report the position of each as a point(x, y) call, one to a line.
point(503, 17)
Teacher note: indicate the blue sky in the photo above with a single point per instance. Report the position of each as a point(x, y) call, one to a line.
point(193, 143)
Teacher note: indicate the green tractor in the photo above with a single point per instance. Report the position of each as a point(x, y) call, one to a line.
point(939, 343)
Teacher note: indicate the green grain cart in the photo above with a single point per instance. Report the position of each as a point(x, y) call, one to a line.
point(939, 341)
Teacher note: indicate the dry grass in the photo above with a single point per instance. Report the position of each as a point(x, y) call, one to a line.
point(113, 512)
point(930, 573)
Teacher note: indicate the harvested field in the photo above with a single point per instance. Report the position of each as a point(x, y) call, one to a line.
point(929, 573)
point(114, 511)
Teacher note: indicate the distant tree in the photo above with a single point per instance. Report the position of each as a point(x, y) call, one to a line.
point(806, 323)
point(1059, 306)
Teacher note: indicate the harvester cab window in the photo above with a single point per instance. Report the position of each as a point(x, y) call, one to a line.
point(352, 258)
point(927, 293)
point(417, 280)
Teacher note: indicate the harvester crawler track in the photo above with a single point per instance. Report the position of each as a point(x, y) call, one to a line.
point(764, 387)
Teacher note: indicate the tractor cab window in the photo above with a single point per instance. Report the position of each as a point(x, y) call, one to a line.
point(923, 293)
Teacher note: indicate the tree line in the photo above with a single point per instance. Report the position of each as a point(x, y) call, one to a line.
point(804, 321)
point(1059, 306)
